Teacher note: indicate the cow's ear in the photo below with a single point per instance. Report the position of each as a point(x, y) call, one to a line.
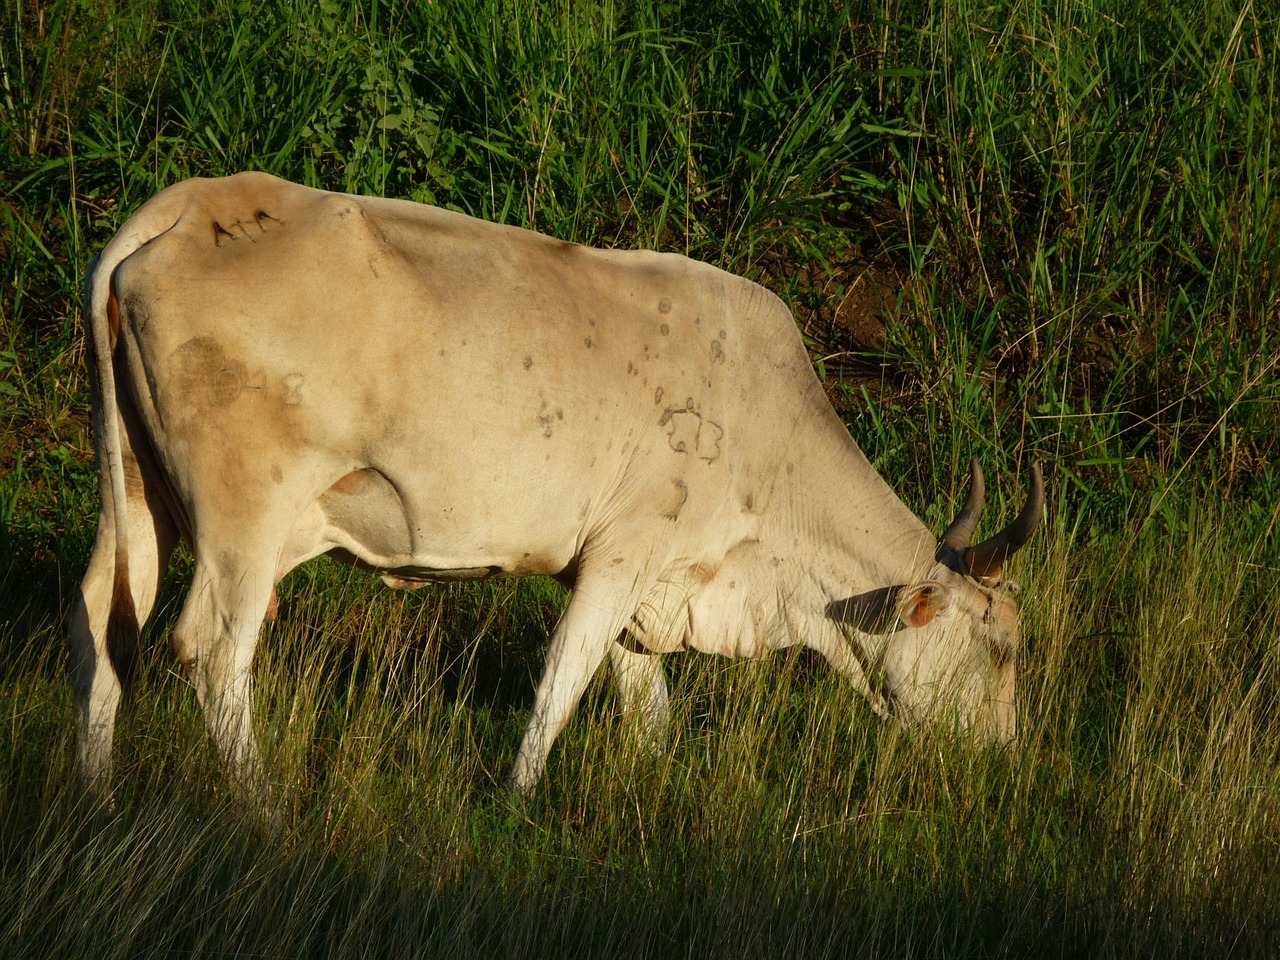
point(919, 603)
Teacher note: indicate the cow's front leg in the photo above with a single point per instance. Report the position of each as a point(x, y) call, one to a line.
point(598, 610)
point(642, 690)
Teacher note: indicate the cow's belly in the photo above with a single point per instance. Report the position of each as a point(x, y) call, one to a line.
point(365, 519)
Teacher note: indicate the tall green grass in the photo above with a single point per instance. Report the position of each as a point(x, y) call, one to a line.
point(1069, 207)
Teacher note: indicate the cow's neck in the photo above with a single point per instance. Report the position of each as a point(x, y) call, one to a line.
point(857, 534)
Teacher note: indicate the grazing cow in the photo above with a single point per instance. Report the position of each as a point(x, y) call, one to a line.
point(282, 372)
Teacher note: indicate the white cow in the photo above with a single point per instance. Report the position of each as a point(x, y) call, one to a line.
point(282, 372)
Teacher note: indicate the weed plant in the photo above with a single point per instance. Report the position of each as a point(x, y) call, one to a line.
point(1067, 209)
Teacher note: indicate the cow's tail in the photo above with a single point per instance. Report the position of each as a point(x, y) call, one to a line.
point(104, 334)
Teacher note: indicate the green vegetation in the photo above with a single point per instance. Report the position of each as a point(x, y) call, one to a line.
point(1025, 229)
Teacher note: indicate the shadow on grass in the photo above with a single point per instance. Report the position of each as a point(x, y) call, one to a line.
point(187, 871)
point(37, 575)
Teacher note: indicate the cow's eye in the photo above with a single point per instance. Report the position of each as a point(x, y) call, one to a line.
point(1001, 653)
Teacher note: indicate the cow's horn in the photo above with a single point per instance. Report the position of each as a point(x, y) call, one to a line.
point(959, 535)
point(986, 560)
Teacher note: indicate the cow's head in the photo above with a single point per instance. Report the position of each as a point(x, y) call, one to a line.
point(954, 648)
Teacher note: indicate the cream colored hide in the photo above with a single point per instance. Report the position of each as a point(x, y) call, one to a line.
point(283, 372)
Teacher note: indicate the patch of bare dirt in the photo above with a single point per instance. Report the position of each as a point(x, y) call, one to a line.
point(843, 307)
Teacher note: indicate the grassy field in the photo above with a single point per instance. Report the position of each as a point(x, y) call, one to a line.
point(1019, 230)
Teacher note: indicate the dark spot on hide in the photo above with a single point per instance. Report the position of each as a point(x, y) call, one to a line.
point(657, 396)
point(717, 352)
point(682, 495)
point(688, 432)
point(547, 418)
point(205, 376)
point(292, 390)
point(749, 501)
point(664, 305)
point(666, 329)
point(702, 573)
point(240, 228)
point(586, 342)
point(220, 232)
point(277, 474)
point(528, 361)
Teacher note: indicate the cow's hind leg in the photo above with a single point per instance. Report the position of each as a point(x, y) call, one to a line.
point(99, 674)
point(215, 638)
